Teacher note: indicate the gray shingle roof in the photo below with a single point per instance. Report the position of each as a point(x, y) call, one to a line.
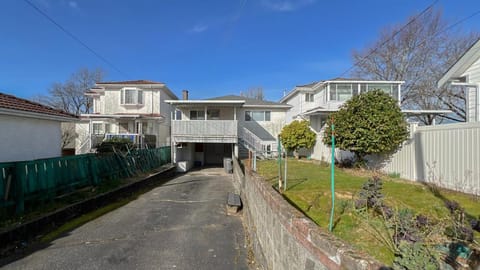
point(248, 101)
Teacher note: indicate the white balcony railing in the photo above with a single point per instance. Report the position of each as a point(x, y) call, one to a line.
point(205, 131)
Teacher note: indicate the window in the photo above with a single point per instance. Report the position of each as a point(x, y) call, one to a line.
point(97, 128)
point(391, 89)
point(131, 96)
point(213, 114)
point(197, 115)
point(257, 115)
point(178, 115)
point(340, 91)
point(308, 97)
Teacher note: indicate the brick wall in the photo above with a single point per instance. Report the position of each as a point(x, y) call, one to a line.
point(283, 238)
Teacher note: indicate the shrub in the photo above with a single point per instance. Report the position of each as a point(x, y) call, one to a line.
point(370, 123)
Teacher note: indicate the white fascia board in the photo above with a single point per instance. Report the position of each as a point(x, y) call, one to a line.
point(419, 112)
point(37, 115)
point(279, 106)
point(462, 64)
point(118, 85)
point(170, 93)
point(352, 81)
point(294, 92)
point(202, 102)
point(112, 115)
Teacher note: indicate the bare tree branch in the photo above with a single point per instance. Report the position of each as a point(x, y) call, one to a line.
point(254, 92)
point(419, 55)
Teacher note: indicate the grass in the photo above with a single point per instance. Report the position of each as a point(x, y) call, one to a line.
point(308, 189)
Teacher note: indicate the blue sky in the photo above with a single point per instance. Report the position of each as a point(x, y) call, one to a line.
point(209, 47)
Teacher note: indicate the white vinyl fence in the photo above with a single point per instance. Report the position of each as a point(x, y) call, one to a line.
point(445, 155)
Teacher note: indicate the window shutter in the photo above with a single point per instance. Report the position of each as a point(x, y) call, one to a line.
point(122, 96)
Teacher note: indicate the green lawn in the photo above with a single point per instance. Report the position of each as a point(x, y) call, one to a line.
point(309, 190)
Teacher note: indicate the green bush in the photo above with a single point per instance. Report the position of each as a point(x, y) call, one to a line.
point(370, 123)
point(297, 135)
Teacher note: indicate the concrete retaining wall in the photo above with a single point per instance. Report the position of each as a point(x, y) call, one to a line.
point(283, 238)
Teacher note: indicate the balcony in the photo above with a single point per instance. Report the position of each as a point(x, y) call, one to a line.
point(205, 131)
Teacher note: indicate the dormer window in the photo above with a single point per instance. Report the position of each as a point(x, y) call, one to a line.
point(131, 96)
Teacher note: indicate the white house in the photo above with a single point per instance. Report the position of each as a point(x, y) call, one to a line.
point(466, 73)
point(206, 131)
point(128, 109)
point(315, 101)
point(29, 130)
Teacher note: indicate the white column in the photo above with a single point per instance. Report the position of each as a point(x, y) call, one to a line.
point(234, 113)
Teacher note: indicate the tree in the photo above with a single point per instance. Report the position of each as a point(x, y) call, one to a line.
point(297, 135)
point(419, 54)
point(254, 92)
point(70, 95)
point(370, 123)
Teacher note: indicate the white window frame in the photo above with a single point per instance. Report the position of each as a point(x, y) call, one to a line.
point(265, 113)
point(309, 97)
point(200, 115)
point(137, 97)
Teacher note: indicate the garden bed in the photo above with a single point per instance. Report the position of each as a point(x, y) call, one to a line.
point(308, 189)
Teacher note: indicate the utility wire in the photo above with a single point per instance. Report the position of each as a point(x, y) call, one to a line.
point(390, 38)
point(71, 35)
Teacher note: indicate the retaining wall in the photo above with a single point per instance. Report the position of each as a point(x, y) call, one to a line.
point(283, 238)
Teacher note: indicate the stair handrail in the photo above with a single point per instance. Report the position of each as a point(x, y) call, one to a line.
point(250, 139)
point(83, 144)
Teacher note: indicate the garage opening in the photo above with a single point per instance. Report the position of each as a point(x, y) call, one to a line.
point(212, 154)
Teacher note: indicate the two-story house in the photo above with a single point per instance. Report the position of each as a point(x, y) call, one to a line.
point(206, 131)
point(135, 110)
point(314, 102)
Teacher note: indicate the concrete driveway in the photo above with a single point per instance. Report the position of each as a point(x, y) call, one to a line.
point(180, 225)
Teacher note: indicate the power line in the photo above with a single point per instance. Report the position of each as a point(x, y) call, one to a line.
point(71, 35)
point(391, 38)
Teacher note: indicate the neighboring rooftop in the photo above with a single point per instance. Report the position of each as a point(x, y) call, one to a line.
point(19, 104)
point(132, 82)
point(337, 79)
point(248, 101)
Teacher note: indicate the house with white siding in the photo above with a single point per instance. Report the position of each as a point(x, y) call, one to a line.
point(206, 131)
point(466, 73)
point(135, 110)
point(30, 130)
point(315, 101)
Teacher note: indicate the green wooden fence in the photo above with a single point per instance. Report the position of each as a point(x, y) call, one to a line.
point(45, 179)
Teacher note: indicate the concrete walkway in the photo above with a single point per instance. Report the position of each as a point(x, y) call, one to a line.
point(180, 225)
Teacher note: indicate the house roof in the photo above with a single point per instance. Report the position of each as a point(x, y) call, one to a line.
point(132, 82)
point(469, 57)
point(122, 115)
point(9, 103)
point(231, 100)
point(333, 80)
point(249, 101)
point(100, 86)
